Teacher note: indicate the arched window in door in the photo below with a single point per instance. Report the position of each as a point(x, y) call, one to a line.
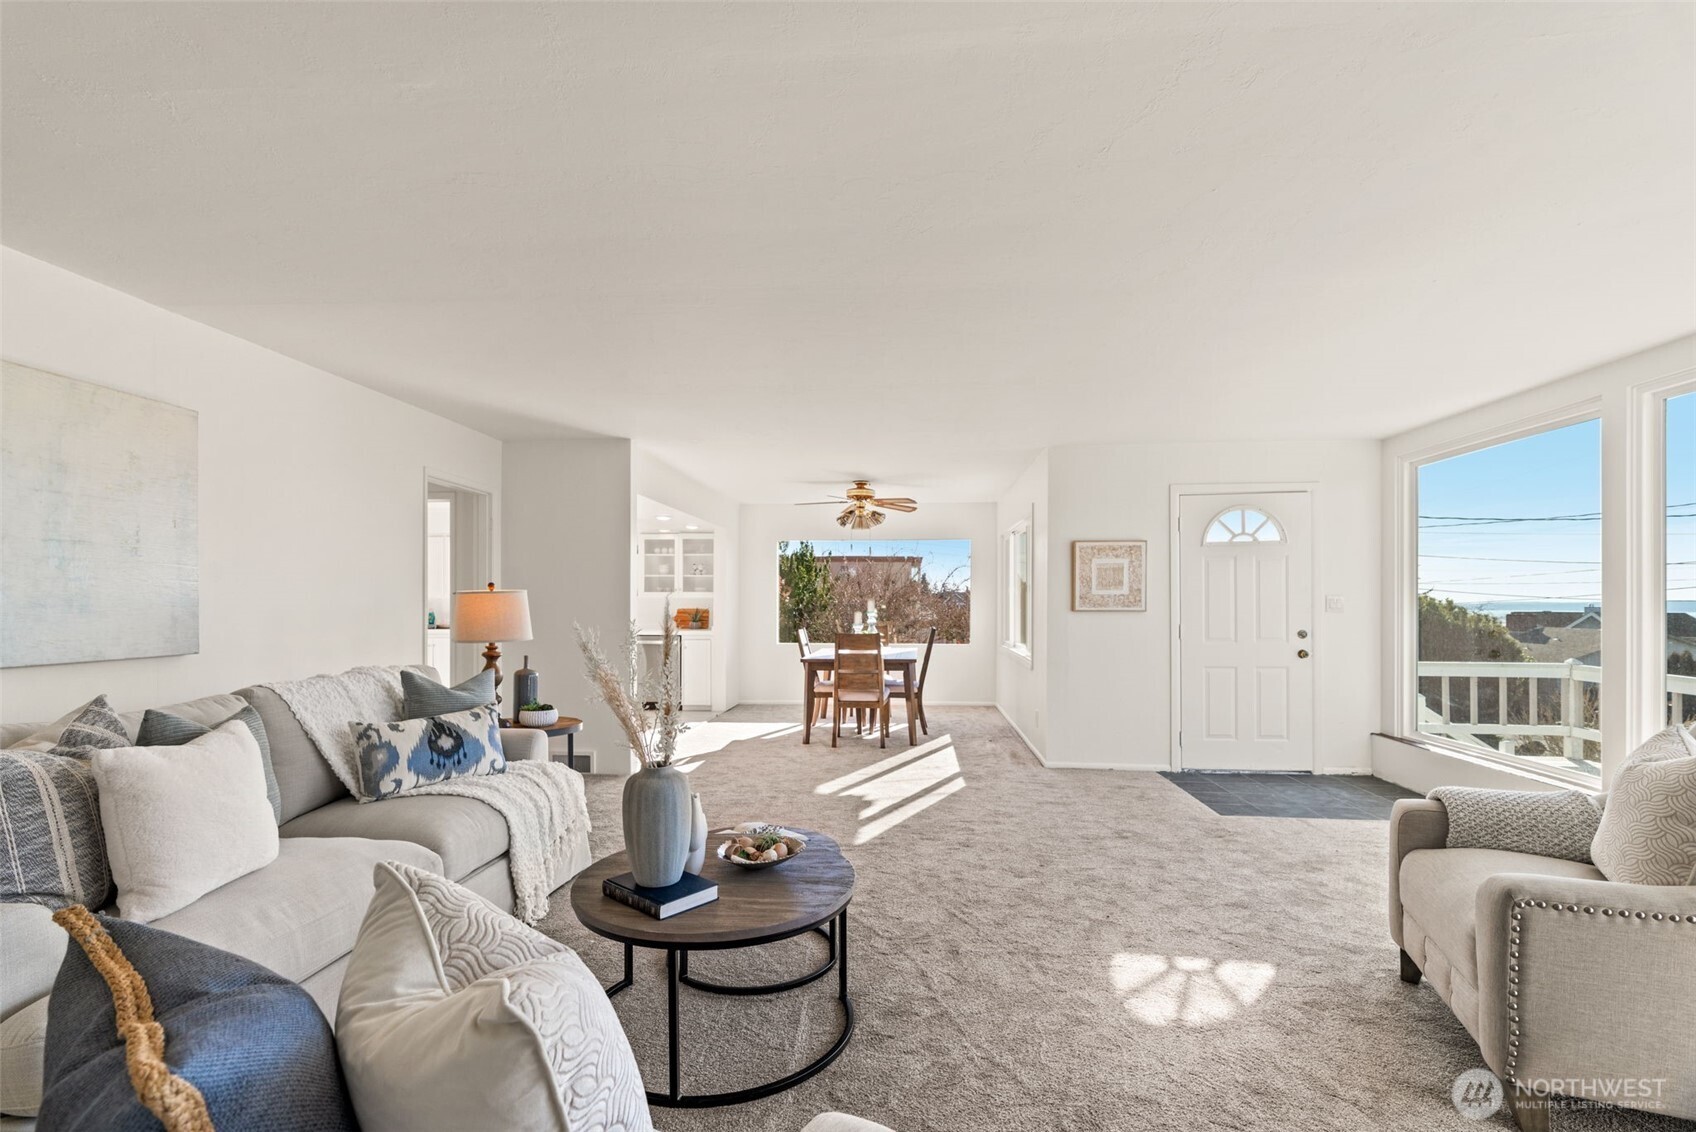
point(1243, 524)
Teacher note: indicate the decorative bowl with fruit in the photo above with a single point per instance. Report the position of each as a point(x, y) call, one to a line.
point(760, 845)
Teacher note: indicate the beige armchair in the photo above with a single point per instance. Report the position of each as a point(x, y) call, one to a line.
point(1572, 985)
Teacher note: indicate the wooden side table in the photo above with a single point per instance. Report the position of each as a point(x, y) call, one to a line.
point(566, 725)
point(808, 894)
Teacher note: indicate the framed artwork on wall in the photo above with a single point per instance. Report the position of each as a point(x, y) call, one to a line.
point(1110, 576)
point(100, 550)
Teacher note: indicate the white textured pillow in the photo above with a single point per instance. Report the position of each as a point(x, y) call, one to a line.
point(455, 1015)
point(23, 1043)
point(1648, 829)
point(182, 821)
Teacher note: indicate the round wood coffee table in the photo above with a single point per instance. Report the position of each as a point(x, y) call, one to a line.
point(754, 906)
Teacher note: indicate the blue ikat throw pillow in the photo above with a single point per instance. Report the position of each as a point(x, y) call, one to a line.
point(409, 753)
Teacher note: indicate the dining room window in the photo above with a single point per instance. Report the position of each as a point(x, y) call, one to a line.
point(902, 588)
point(1019, 594)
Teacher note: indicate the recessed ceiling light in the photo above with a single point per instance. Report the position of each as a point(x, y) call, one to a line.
point(663, 518)
point(691, 527)
point(665, 530)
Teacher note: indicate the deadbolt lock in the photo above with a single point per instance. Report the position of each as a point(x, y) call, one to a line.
point(1302, 633)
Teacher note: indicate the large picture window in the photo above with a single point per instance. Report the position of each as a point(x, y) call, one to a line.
point(1510, 598)
point(1681, 557)
point(909, 586)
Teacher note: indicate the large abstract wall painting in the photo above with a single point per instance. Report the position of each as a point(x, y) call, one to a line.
point(99, 522)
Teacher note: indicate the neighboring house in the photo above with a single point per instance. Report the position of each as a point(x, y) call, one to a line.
point(1555, 636)
point(1558, 645)
point(1526, 621)
point(894, 566)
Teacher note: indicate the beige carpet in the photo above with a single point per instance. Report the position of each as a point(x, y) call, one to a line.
point(1035, 949)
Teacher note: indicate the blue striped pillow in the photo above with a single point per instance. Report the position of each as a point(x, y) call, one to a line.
point(53, 851)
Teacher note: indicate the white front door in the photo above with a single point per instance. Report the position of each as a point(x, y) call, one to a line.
point(1245, 631)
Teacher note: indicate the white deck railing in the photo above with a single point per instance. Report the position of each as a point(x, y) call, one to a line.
point(1562, 723)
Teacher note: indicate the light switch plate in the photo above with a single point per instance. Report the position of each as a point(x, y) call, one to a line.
point(1333, 603)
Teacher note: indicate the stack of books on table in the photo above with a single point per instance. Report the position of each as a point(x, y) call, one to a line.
point(689, 892)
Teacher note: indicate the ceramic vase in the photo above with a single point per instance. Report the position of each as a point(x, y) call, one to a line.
point(657, 824)
point(697, 836)
point(524, 685)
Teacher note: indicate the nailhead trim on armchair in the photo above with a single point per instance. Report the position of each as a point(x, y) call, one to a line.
point(1513, 955)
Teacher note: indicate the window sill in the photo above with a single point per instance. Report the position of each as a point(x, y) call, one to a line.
point(1551, 776)
point(1020, 653)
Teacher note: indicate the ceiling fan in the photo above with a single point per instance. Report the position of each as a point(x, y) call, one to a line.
point(860, 514)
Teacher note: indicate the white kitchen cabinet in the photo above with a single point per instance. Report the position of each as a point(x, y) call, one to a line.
point(697, 671)
point(673, 572)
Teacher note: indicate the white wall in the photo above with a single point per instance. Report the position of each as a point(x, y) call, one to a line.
point(1021, 685)
point(569, 513)
point(660, 481)
point(1110, 683)
point(771, 672)
point(311, 496)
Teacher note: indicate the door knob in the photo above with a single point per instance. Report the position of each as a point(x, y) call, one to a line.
point(1302, 653)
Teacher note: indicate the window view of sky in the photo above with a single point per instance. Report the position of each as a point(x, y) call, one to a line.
point(1518, 525)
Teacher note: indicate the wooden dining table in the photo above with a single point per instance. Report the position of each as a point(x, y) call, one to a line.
point(896, 658)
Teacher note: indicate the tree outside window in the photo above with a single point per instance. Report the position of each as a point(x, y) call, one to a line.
point(914, 586)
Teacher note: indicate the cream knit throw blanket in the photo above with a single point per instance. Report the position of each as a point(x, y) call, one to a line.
point(542, 802)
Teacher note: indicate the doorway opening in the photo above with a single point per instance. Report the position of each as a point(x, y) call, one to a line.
point(458, 555)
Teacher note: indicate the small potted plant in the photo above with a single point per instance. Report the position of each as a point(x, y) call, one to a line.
point(537, 715)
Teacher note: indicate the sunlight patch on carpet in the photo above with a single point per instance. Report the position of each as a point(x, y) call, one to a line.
point(906, 781)
point(883, 766)
point(714, 735)
point(1185, 990)
point(900, 814)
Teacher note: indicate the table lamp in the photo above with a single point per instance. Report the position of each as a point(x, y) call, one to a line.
point(492, 616)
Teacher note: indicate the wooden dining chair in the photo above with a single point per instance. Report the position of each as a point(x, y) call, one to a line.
point(823, 689)
point(897, 684)
point(859, 682)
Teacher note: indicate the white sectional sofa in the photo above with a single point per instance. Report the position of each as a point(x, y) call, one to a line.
point(300, 914)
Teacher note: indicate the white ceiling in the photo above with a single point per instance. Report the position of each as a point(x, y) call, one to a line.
point(654, 517)
point(785, 245)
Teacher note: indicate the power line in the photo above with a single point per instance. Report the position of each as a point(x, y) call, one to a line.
point(1534, 574)
point(1574, 517)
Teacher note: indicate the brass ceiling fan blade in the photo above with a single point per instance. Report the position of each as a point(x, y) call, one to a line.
point(821, 503)
point(901, 503)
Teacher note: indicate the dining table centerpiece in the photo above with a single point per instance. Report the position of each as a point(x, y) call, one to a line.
point(657, 809)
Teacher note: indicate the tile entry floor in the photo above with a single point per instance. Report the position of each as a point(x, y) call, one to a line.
point(1290, 795)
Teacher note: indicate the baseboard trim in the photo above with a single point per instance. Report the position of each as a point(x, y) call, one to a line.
point(1142, 768)
point(1361, 770)
point(1023, 738)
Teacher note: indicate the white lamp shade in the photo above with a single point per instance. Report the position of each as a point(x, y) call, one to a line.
point(491, 615)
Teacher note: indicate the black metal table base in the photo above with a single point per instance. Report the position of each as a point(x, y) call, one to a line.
point(834, 930)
